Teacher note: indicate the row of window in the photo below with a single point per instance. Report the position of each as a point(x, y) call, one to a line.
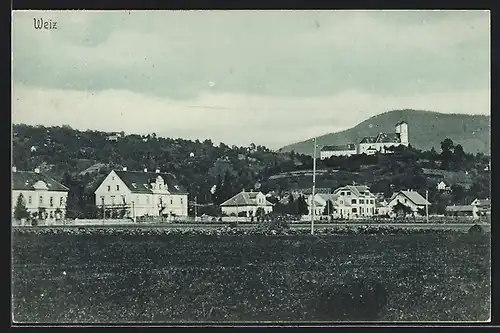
point(363, 210)
point(137, 201)
point(117, 188)
point(41, 201)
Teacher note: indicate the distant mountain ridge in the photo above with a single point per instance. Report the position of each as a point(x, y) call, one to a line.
point(426, 130)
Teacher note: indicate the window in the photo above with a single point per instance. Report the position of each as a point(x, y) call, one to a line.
point(51, 202)
point(371, 201)
point(341, 202)
point(353, 201)
point(29, 200)
point(61, 201)
point(348, 193)
point(354, 210)
point(124, 201)
point(113, 200)
point(113, 178)
point(117, 187)
point(361, 201)
point(181, 201)
point(109, 188)
point(362, 210)
point(40, 200)
point(102, 201)
point(171, 202)
point(342, 193)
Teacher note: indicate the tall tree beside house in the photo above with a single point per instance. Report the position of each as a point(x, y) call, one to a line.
point(227, 188)
point(20, 210)
point(302, 206)
point(291, 207)
point(217, 195)
point(329, 209)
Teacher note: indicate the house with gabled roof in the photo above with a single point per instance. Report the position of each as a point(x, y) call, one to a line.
point(246, 203)
point(409, 198)
point(142, 193)
point(355, 201)
point(483, 205)
point(42, 195)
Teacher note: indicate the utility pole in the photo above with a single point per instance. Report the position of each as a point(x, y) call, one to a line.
point(195, 207)
point(313, 187)
point(427, 206)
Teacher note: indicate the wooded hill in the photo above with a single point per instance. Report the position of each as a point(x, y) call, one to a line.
point(426, 130)
point(81, 160)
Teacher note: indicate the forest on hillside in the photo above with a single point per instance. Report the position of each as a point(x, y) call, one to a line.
point(81, 160)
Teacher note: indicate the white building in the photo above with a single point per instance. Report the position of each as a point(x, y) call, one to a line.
point(409, 198)
point(355, 201)
point(142, 193)
point(483, 205)
point(337, 150)
point(41, 194)
point(468, 210)
point(371, 144)
point(321, 204)
point(441, 186)
point(247, 203)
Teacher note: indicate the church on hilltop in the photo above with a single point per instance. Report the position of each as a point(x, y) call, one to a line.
point(370, 145)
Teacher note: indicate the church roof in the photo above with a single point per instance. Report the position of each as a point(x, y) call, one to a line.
point(140, 182)
point(349, 146)
point(382, 138)
point(24, 180)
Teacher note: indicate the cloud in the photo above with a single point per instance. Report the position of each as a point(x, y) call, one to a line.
point(269, 77)
point(275, 53)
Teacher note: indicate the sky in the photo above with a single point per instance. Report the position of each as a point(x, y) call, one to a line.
point(268, 77)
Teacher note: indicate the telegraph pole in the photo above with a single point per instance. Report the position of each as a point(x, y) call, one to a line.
point(427, 206)
point(313, 187)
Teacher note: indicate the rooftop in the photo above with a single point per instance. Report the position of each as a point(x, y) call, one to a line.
point(26, 180)
point(140, 182)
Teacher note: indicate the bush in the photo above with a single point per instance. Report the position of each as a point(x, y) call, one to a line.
point(476, 229)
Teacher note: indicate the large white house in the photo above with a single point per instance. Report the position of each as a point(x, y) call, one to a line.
point(371, 144)
point(41, 194)
point(142, 193)
point(409, 198)
point(246, 203)
point(338, 150)
point(355, 201)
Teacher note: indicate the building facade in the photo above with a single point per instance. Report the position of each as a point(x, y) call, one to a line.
point(44, 197)
point(354, 201)
point(370, 145)
point(142, 193)
point(337, 150)
point(246, 203)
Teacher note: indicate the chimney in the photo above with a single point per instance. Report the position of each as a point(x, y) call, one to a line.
point(145, 170)
point(14, 169)
point(124, 168)
point(157, 170)
point(37, 170)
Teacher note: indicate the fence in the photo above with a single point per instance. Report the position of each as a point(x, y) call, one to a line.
point(247, 220)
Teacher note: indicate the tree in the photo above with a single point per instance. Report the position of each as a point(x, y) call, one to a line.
point(399, 208)
point(302, 206)
point(20, 210)
point(329, 209)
